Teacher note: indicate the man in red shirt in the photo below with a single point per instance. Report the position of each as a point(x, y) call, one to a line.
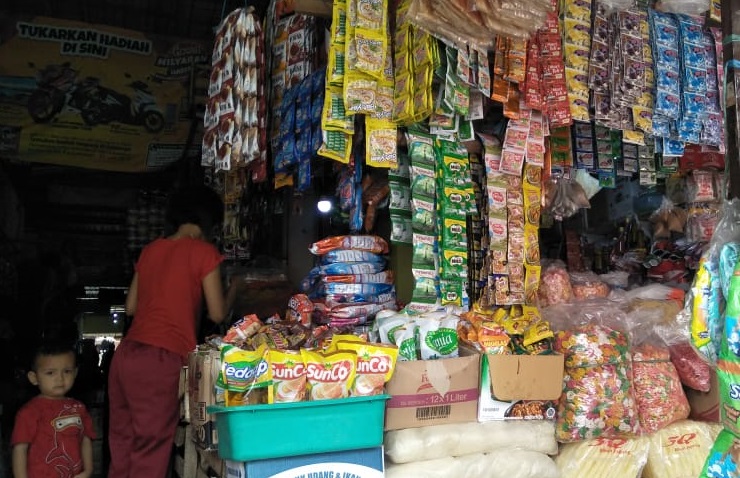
point(53, 434)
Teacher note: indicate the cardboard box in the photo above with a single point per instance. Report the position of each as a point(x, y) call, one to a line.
point(203, 370)
point(520, 387)
point(433, 392)
point(705, 405)
point(365, 463)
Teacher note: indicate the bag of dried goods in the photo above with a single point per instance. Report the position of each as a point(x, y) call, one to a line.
point(501, 463)
point(658, 392)
point(587, 285)
point(603, 458)
point(680, 449)
point(555, 287)
point(597, 399)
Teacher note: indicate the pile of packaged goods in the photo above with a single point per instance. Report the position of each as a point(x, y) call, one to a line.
point(352, 283)
point(283, 361)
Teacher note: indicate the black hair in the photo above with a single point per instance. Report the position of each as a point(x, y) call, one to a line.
point(199, 205)
point(50, 348)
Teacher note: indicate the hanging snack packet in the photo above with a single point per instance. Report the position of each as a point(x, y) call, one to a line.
point(245, 376)
point(375, 366)
point(438, 337)
point(288, 376)
point(380, 144)
point(401, 227)
point(329, 376)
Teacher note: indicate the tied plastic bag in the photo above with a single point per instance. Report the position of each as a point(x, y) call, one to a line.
point(660, 397)
point(693, 370)
point(668, 218)
point(555, 286)
point(603, 458)
point(680, 449)
point(597, 399)
point(564, 197)
point(587, 285)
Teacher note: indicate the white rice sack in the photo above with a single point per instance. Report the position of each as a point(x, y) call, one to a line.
point(428, 443)
point(604, 458)
point(498, 464)
point(680, 449)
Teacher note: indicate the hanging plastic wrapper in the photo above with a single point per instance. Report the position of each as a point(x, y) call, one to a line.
point(563, 197)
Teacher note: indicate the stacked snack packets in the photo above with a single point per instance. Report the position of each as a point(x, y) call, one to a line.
point(577, 24)
point(399, 180)
point(234, 120)
point(337, 127)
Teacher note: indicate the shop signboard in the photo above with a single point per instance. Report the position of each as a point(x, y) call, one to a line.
point(93, 96)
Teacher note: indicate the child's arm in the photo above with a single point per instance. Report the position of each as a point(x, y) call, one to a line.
point(87, 458)
point(20, 460)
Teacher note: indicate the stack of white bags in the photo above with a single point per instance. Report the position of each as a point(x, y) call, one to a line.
point(499, 449)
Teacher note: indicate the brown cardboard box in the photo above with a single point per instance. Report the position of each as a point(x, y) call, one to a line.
point(519, 386)
point(203, 370)
point(433, 392)
point(705, 405)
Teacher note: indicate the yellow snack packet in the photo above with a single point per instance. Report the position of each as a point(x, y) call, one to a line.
point(375, 366)
point(381, 144)
point(288, 376)
point(335, 339)
point(339, 22)
point(336, 66)
point(282, 180)
point(333, 116)
point(359, 94)
point(384, 102)
point(531, 245)
point(532, 275)
point(336, 145)
point(329, 376)
point(371, 14)
point(371, 50)
point(539, 330)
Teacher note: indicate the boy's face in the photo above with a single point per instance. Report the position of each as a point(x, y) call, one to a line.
point(54, 375)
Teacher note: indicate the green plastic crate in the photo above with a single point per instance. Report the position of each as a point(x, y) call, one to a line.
point(258, 432)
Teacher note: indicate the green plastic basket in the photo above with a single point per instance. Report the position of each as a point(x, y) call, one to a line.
point(258, 432)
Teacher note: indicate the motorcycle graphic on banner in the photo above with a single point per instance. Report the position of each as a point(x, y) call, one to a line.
point(94, 97)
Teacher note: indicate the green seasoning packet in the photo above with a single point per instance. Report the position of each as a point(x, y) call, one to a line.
point(423, 215)
point(454, 264)
point(401, 228)
point(451, 292)
point(454, 232)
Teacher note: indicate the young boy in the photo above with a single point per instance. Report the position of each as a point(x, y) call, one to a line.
point(52, 434)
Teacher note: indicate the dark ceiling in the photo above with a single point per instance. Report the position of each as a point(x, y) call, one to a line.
point(188, 19)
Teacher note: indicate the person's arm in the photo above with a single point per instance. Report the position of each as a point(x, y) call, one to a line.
point(133, 295)
point(87, 458)
point(214, 295)
point(20, 460)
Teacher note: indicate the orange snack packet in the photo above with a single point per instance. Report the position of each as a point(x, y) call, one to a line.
point(329, 376)
point(375, 366)
point(288, 376)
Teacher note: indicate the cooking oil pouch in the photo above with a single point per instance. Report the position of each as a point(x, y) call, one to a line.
point(245, 376)
point(454, 264)
point(375, 366)
point(438, 337)
point(389, 327)
point(451, 292)
point(423, 215)
point(408, 342)
point(454, 232)
point(329, 376)
point(401, 227)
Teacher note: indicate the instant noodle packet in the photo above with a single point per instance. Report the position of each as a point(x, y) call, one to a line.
point(288, 376)
point(245, 376)
point(329, 376)
point(381, 143)
point(375, 366)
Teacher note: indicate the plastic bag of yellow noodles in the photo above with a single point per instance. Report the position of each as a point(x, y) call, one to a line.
point(603, 458)
point(680, 449)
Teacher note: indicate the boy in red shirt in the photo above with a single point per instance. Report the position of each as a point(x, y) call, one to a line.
point(53, 434)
